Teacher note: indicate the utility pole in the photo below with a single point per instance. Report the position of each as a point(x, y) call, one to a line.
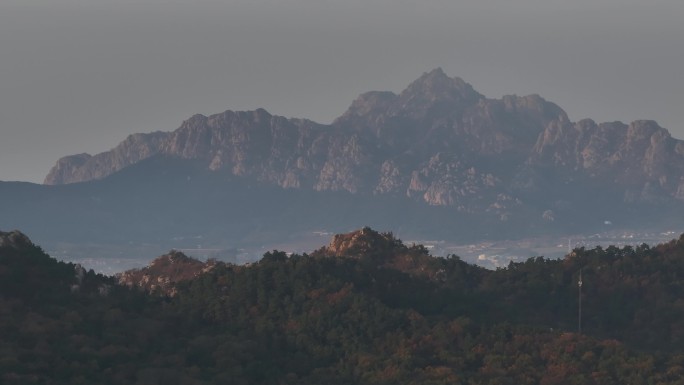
point(579, 316)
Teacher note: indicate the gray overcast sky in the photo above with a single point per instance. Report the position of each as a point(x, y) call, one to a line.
point(80, 75)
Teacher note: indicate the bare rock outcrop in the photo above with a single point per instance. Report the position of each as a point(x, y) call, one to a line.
point(164, 272)
point(385, 250)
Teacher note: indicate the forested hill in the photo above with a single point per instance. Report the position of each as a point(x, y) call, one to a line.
point(365, 309)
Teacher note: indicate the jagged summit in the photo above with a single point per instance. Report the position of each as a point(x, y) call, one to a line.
point(434, 94)
point(436, 85)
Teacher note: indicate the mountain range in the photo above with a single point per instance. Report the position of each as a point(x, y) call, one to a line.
point(438, 141)
point(438, 159)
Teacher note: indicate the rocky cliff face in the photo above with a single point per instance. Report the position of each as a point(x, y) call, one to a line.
point(439, 141)
point(642, 156)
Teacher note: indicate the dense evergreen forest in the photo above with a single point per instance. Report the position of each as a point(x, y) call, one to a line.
point(365, 310)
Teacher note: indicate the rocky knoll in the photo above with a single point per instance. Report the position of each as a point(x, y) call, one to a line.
point(439, 141)
point(14, 240)
point(162, 275)
point(164, 272)
point(361, 243)
point(385, 251)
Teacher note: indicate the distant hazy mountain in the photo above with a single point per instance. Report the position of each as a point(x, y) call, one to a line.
point(437, 159)
point(438, 141)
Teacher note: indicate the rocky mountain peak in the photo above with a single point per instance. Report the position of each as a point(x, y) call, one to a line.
point(431, 99)
point(362, 242)
point(84, 167)
point(66, 167)
point(434, 93)
point(436, 84)
point(15, 240)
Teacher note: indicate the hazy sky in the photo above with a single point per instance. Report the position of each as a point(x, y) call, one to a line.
point(80, 75)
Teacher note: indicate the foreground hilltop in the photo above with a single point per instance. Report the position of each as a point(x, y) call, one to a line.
point(438, 142)
point(349, 313)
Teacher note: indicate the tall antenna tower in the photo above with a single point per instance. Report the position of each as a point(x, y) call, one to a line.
point(579, 315)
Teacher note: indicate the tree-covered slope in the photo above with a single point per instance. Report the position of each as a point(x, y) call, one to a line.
point(364, 309)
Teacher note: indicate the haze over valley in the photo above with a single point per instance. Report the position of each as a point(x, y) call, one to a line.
point(438, 161)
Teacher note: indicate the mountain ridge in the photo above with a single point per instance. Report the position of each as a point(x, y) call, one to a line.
point(437, 159)
point(439, 141)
